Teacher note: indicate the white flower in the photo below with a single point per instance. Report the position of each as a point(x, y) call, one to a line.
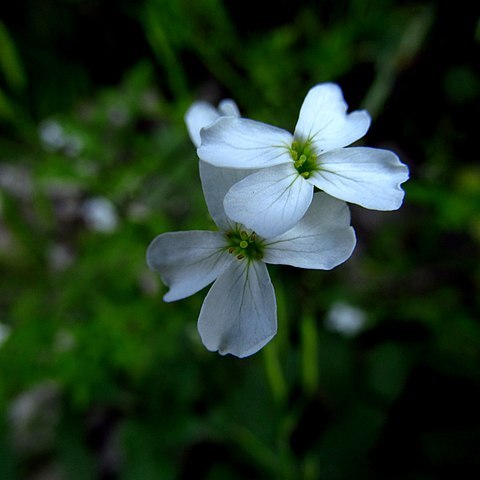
point(238, 315)
point(272, 200)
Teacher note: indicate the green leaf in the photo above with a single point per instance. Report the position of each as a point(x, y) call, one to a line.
point(10, 61)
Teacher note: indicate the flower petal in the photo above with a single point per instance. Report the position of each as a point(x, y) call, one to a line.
point(324, 121)
point(188, 261)
point(239, 314)
point(270, 201)
point(322, 239)
point(200, 114)
point(216, 182)
point(228, 107)
point(241, 143)
point(369, 177)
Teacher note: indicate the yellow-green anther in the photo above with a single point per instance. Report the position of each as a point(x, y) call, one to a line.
point(300, 161)
point(304, 158)
point(244, 244)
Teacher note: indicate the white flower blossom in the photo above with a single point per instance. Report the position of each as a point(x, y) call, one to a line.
point(238, 315)
point(272, 200)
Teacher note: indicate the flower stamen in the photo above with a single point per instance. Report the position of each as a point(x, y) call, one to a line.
point(304, 159)
point(243, 244)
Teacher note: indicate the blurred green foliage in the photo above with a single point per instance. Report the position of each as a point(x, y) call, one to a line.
point(101, 379)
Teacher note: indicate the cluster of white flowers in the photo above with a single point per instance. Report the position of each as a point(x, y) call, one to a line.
point(258, 181)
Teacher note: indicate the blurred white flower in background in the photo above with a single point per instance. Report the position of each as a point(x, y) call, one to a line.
point(100, 214)
point(60, 257)
point(64, 341)
point(54, 138)
point(345, 319)
point(16, 180)
point(33, 417)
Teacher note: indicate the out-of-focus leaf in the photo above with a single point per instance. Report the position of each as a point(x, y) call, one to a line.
point(10, 61)
point(387, 369)
point(6, 107)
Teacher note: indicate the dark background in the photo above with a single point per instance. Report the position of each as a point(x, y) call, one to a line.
point(101, 379)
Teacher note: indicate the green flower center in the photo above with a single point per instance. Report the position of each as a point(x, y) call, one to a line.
point(243, 244)
point(304, 158)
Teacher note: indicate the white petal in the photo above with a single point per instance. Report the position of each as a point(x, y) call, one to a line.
point(216, 182)
point(228, 107)
point(200, 114)
point(239, 314)
point(270, 201)
point(188, 261)
point(322, 239)
point(240, 143)
point(369, 177)
point(324, 121)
